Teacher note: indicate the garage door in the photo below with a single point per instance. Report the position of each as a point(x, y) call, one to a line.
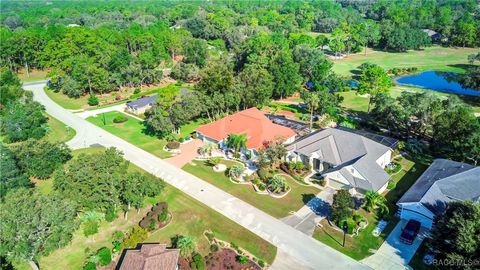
point(337, 184)
point(406, 215)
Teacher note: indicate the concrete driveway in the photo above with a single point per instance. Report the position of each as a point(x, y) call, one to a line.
point(393, 254)
point(318, 208)
point(188, 151)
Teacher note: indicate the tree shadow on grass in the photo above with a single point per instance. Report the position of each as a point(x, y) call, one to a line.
point(331, 237)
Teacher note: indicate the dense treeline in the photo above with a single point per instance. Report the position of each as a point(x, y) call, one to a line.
point(108, 46)
point(34, 223)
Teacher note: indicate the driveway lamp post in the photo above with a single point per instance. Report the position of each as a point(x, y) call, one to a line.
point(345, 228)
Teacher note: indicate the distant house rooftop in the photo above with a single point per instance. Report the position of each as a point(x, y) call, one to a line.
point(150, 257)
point(142, 102)
point(442, 182)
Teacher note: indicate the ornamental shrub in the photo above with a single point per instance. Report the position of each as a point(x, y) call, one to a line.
point(162, 217)
point(199, 262)
point(120, 118)
point(181, 139)
point(261, 263)
point(214, 248)
point(105, 256)
point(92, 100)
point(391, 184)
point(299, 165)
point(90, 228)
point(90, 266)
point(173, 145)
point(242, 259)
point(110, 214)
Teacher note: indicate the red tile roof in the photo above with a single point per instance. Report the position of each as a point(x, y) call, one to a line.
point(251, 122)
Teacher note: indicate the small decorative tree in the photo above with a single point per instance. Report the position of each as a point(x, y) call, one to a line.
point(214, 161)
point(186, 244)
point(207, 149)
point(236, 171)
point(342, 206)
point(374, 200)
point(277, 184)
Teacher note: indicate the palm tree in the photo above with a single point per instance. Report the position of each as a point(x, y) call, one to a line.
point(312, 100)
point(236, 171)
point(374, 200)
point(207, 149)
point(186, 244)
point(277, 184)
point(237, 141)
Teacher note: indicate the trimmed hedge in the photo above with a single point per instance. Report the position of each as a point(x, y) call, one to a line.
point(120, 118)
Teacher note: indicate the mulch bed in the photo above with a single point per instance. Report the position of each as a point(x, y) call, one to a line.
point(227, 259)
point(183, 264)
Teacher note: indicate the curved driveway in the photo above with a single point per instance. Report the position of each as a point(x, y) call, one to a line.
point(302, 249)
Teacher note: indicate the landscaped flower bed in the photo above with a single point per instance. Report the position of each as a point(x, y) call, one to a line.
point(157, 218)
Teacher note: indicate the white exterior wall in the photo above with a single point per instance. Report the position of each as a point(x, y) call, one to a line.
point(417, 212)
point(336, 176)
point(385, 159)
point(290, 140)
point(382, 189)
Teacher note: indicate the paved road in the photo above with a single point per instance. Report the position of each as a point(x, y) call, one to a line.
point(297, 245)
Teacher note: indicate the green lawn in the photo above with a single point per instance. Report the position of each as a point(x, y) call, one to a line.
point(58, 131)
point(190, 217)
point(437, 58)
point(190, 127)
point(131, 131)
point(278, 208)
point(357, 247)
point(365, 243)
point(65, 101)
point(356, 103)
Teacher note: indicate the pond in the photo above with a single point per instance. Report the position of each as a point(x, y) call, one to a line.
point(437, 81)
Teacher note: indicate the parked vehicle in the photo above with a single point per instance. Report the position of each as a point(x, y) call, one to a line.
point(410, 231)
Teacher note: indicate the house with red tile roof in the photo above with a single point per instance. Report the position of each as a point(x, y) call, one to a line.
point(150, 257)
point(251, 122)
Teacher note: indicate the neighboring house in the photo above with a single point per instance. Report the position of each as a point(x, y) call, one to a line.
point(150, 257)
point(140, 105)
point(345, 159)
point(252, 122)
point(432, 34)
point(444, 181)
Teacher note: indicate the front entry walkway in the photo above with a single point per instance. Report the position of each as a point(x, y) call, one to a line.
point(311, 213)
point(393, 254)
point(188, 151)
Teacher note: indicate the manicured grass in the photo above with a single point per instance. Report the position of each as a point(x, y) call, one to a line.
point(190, 127)
point(168, 90)
point(357, 247)
point(365, 243)
point(34, 75)
point(65, 101)
point(190, 217)
point(432, 58)
point(277, 207)
point(356, 103)
point(131, 131)
point(58, 131)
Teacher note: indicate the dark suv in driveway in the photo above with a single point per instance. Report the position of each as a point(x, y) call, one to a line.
point(410, 231)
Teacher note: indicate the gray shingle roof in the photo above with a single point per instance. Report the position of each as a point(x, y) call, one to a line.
point(142, 102)
point(442, 182)
point(342, 147)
